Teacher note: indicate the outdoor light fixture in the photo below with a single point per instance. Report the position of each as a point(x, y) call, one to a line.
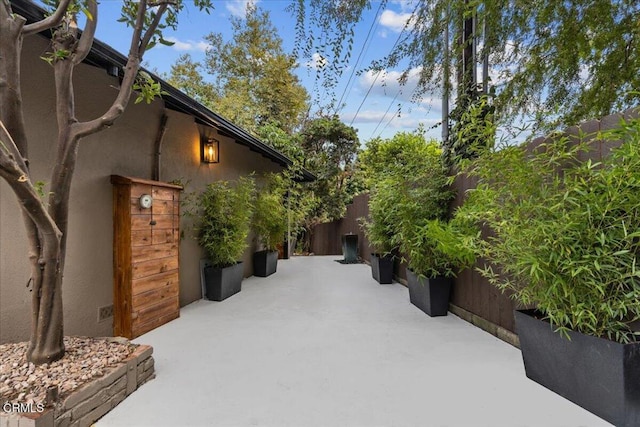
point(210, 150)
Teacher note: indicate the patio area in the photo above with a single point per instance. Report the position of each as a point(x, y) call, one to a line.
point(322, 344)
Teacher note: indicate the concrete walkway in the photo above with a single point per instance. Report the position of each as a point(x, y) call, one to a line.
point(322, 344)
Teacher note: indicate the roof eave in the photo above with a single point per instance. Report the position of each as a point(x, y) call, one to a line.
point(104, 56)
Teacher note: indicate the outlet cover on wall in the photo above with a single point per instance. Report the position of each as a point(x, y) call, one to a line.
point(105, 313)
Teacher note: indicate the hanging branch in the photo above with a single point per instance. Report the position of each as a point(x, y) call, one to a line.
point(50, 22)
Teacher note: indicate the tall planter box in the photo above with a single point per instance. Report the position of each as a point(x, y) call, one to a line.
point(221, 283)
point(430, 295)
point(382, 268)
point(599, 375)
point(265, 263)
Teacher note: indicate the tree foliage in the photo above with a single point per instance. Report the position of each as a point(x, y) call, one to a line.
point(330, 149)
point(473, 131)
point(557, 62)
point(288, 144)
point(186, 74)
point(249, 80)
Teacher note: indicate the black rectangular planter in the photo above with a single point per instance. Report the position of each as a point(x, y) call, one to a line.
point(430, 295)
point(221, 283)
point(382, 268)
point(265, 263)
point(599, 375)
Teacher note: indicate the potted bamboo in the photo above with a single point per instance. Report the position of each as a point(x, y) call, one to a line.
point(437, 251)
point(407, 183)
point(225, 211)
point(380, 229)
point(564, 234)
point(269, 224)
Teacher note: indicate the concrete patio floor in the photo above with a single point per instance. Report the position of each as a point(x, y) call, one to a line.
point(322, 344)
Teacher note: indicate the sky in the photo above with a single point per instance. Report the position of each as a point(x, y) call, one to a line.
point(374, 105)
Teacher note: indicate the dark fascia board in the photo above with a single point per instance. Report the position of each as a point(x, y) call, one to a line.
point(104, 56)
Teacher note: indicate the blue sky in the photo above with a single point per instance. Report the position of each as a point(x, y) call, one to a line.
point(375, 114)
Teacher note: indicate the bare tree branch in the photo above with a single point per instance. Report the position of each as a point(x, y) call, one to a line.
point(10, 94)
point(139, 43)
point(158, 3)
point(86, 39)
point(18, 180)
point(137, 29)
point(152, 28)
point(50, 21)
point(83, 129)
point(9, 149)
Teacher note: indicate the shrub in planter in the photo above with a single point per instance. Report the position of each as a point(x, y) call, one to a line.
point(437, 251)
point(269, 224)
point(224, 212)
point(421, 195)
point(565, 235)
point(381, 229)
point(406, 180)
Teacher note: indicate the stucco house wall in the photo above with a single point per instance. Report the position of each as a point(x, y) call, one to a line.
point(126, 149)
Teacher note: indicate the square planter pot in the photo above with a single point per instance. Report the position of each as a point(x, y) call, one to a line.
point(599, 375)
point(350, 248)
point(221, 283)
point(430, 295)
point(382, 268)
point(265, 263)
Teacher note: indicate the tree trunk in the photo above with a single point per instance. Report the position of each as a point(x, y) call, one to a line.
point(46, 344)
point(47, 339)
point(46, 224)
point(309, 238)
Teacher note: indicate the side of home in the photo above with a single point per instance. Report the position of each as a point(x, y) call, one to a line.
point(129, 148)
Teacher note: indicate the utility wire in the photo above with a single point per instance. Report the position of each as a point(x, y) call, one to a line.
point(363, 50)
point(385, 114)
point(406, 25)
point(389, 122)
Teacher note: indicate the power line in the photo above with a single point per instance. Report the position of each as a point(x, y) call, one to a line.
point(406, 25)
point(363, 50)
point(385, 114)
point(390, 120)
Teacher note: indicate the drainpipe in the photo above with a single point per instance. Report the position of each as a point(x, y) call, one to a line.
point(158, 147)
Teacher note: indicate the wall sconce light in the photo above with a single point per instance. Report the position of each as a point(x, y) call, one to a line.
point(210, 150)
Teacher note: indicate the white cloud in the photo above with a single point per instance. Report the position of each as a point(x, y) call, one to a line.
point(405, 118)
point(395, 21)
point(372, 123)
point(367, 116)
point(239, 7)
point(405, 5)
point(317, 62)
point(188, 45)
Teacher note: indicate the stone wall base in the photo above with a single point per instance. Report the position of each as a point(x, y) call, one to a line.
point(93, 400)
point(487, 326)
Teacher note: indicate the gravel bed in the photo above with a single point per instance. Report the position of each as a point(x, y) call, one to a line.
point(85, 359)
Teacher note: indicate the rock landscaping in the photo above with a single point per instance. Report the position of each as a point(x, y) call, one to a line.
point(93, 377)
